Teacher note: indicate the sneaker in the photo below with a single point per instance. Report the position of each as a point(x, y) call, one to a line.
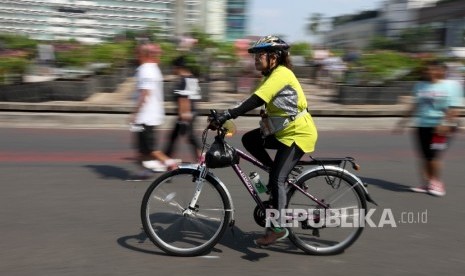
point(437, 188)
point(154, 165)
point(421, 189)
point(271, 237)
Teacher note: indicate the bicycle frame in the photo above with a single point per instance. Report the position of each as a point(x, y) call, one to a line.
point(244, 179)
point(249, 186)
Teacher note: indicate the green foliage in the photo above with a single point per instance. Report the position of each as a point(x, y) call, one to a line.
point(114, 53)
point(204, 40)
point(384, 43)
point(12, 65)
point(76, 57)
point(169, 52)
point(381, 66)
point(410, 40)
point(301, 49)
point(225, 51)
point(18, 42)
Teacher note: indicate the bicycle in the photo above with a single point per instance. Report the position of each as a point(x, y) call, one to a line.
point(185, 212)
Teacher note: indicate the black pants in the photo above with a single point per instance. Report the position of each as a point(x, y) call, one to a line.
point(183, 128)
point(425, 141)
point(145, 140)
point(285, 160)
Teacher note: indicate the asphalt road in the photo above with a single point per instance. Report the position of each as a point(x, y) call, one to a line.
point(65, 209)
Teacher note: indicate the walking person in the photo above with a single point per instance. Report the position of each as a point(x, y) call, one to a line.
point(149, 111)
point(286, 124)
point(435, 111)
point(187, 92)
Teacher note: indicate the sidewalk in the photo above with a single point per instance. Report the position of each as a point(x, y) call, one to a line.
point(320, 102)
point(111, 110)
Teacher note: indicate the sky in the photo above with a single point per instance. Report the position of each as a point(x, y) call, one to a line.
point(289, 18)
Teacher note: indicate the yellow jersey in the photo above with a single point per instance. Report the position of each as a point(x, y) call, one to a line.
point(284, 97)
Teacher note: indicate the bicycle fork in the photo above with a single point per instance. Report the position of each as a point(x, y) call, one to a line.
point(199, 181)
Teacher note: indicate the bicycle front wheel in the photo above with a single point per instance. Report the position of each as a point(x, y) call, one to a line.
point(331, 230)
point(176, 228)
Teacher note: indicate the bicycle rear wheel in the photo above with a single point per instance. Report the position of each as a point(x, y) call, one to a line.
point(172, 225)
point(332, 230)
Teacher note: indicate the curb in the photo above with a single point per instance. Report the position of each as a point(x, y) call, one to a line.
point(203, 109)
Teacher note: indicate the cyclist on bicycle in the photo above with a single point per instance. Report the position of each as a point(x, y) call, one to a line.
point(286, 125)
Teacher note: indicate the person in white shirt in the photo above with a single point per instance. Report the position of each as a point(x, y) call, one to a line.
point(149, 111)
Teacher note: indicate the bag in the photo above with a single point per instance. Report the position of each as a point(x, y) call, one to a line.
point(271, 125)
point(220, 154)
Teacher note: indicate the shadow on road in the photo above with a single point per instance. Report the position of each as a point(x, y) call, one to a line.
point(241, 241)
point(234, 239)
point(387, 185)
point(110, 172)
point(135, 243)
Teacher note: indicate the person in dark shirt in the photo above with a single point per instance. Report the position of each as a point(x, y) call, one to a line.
point(187, 92)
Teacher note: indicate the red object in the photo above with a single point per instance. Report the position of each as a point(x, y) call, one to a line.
point(438, 139)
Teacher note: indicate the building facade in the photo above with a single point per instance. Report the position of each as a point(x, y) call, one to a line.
point(92, 21)
point(356, 34)
point(214, 18)
point(447, 21)
point(236, 19)
point(87, 21)
point(399, 15)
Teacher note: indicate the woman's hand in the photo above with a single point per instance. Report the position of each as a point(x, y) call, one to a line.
point(186, 116)
point(444, 130)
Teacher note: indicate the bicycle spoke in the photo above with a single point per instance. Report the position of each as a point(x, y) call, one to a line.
point(328, 230)
point(177, 228)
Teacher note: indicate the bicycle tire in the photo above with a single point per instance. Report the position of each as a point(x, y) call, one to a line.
point(317, 240)
point(173, 231)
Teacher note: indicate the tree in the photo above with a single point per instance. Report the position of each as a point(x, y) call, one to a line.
point(384, 43)
point(314, 24)
point(410, 40)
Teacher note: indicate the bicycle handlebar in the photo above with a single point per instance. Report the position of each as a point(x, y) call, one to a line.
point(214, 123)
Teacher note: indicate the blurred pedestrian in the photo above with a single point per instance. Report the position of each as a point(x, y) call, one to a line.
point(319, 55)
point(335, 69)
point(187, 92)
point(149, 111)
point(435, 110)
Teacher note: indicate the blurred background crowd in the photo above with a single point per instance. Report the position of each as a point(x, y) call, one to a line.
point(74, 40)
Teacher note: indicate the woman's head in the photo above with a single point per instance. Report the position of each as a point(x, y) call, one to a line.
point(434, 71)
point(269, 52)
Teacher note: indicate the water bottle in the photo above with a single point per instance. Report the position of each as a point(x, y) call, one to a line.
point(257, 182)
